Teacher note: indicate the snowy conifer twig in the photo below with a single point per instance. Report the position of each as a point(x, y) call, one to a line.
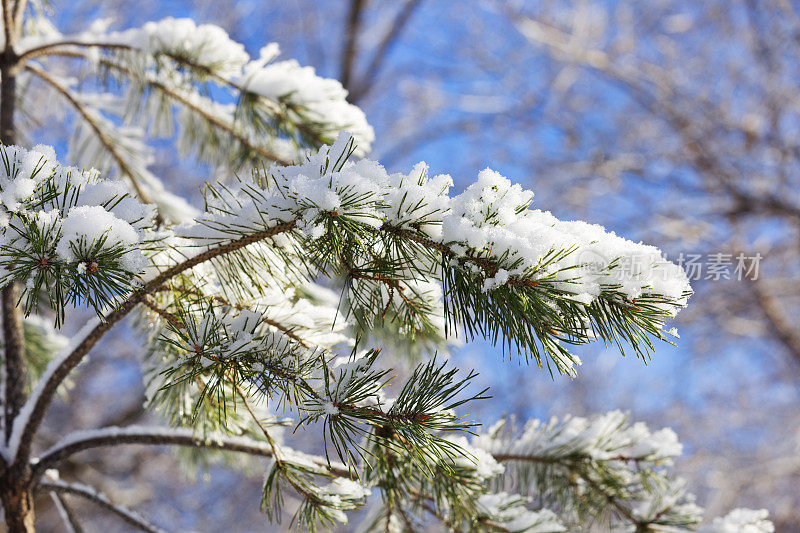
point(43, 394)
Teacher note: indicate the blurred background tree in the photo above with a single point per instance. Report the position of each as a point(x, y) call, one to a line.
point(671, 121)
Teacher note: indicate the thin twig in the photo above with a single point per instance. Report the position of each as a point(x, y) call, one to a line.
point(88, 493)
point(351, 42)
point(365, 84)
point(101, 135)
point(66, 512)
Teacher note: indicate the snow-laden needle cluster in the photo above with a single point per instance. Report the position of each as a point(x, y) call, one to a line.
point(401, 242)
point(229, 110)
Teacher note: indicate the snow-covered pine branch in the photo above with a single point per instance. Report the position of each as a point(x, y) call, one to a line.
point(213, 290)
point(507, 270)
point(267, 109)
point(242, 326)
point(584, 468)
point(79, 441)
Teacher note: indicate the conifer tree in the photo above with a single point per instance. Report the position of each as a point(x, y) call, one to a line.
point(245, 333)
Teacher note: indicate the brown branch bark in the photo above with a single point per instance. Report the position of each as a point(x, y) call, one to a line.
point(14, 490)
point(8, 23)
point(19, 14)
point(154, 437)
point(13, 342)
point(778, 319)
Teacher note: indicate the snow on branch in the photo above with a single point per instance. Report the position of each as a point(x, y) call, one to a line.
point(280, 96)
point(507, 270)
point(618, 465)
point(79, 441)
point(21, 429)
point(509, 512)
point(89, 493)
point(741, 521)
point(104, 144)
point(234, 314)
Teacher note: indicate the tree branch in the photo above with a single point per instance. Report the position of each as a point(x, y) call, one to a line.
point(155, 436)
point(778, 320)
point(67, 514)
point(216, 121)
point(365, 84)
point(289, 332)
point(45, 391)
point(569, 463)
point(14, 357)
point(14, 362)
point(101, 135)
point(88, 493)
point(8, 24)
point(351, 42)
point(53, 49)
point(49, 48)
point(19, 14)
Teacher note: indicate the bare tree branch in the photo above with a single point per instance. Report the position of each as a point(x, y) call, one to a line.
point(366, 82)
point(8, 24)
point(350, 51)
point(88, 493)
point(779, 320)
point(67, 514)
point(19, 15)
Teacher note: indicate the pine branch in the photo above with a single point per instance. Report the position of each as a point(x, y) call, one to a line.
point(589, 468)
point(54, 48)
point(247, 143)
point(43, 394)
point(613, 501)
point(289, 332)
point(218, 251)
point(275, 107)
point(296, 484)
point(93, 124)
point(155, 436)
point(88, 493)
